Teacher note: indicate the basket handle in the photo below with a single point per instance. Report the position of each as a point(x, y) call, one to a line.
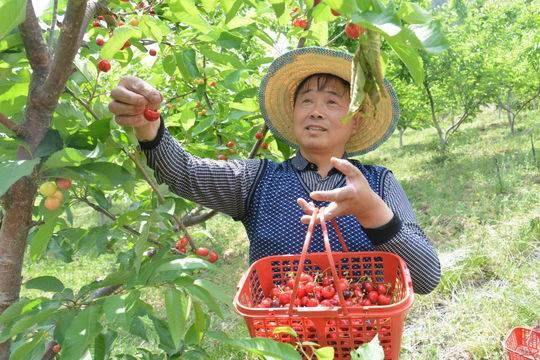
point(328, 250)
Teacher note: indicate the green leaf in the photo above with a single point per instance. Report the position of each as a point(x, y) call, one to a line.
point(187, 64)
point(26, 322)
point(413, 13)
point(206, 297)
point(40, 240)
point(187, 12)
point(222, 58)
point(51, 143)
point(82, 332)
point(386, 21)
point(10, 41)
point(344, 7)
point(109, 174)
point(228, 40)
point(11, 171)
point(12, 13)
point(185, 264)
point(370, 351)
point(141, 245)
point(324, 353)
point(19, 308)
point(278, 6)
point(24, 351)
point(73, 157)
point(204, 124)
point(431, 37)
point(216, 290)
point(103, 344)
point(200, 324)
point(260, 346)
point(45, 283)
point(114, 308)
point(233, 10)
point(153, 28)
point(410, 58)
point(176, 306)
point(209, 5)
point(285, 330)
point(121, 34)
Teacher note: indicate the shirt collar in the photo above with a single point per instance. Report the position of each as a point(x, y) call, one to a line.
point(301, 164)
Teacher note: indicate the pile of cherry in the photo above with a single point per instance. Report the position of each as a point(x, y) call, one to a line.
point(321, 290)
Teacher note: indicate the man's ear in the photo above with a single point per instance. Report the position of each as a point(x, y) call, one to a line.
point(357, 120)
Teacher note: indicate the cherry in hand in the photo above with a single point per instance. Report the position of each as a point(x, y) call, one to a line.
point(151, 115)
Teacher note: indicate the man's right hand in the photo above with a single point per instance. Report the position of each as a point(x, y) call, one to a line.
point(130, 98)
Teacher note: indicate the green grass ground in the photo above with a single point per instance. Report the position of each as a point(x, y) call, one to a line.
point(485, 224)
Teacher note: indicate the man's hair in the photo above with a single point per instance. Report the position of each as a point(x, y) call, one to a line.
point(322, 80)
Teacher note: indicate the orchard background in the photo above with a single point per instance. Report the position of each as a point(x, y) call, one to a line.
point(92, 271)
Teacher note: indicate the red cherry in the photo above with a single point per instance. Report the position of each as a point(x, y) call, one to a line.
point(56, 348)
point(100, 17)
point(213, 257)
point(104, 66)
point(353, 31)
point(100, 42)
point(328, 292)
point(264, 146)
point(284, 298)
point(152, 52)
point(183, 250)
point(63, 184)
point(365, 302)
point(312, 302)
point(212, 84)
point(383, 300)
point(222, 157)
point(126, 45)
point(266, 303)
point(96, 23)
point(202, 251)
point(230, 144)
point(301, 23)
point(259, 135)
point(151, 115)
point(183, 241)
point(373, 296)
point(381, 289)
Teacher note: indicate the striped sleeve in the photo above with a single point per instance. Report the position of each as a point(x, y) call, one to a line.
point(221, 185)
point(410, 242)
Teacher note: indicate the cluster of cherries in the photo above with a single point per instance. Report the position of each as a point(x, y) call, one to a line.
point(181, 247)
point(322, 290)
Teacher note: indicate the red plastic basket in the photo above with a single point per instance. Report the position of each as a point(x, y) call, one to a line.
point(522, 343)
point(343, 327)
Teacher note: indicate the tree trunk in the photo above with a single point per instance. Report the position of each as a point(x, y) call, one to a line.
point(401, 131)
point(509, 111)
point(17, 203)
point(442, 139)
point(49, 76)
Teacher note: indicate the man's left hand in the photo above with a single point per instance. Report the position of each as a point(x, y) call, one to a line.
point(356, 198)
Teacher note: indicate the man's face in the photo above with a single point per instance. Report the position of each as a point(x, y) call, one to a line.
point(317, 118)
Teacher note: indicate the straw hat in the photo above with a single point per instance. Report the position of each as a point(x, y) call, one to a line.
point(276, 97)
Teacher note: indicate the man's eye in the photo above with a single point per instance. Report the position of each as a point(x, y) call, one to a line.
point(306, 101)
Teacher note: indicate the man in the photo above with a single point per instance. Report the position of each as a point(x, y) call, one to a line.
point(303, 99)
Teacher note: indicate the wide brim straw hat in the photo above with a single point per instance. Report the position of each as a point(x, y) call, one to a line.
point(276, 97)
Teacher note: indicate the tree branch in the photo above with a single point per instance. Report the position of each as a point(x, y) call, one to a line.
point(112, 217)
point(53, 24)
point(525, 103)
point(190, 219)
point(82, 102)
point(78, 14)
point(16, 128)
point(36, 52)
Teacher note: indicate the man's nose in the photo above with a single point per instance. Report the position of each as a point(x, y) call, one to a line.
point(316, 112)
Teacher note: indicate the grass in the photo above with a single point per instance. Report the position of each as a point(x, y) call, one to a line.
point(478, 203)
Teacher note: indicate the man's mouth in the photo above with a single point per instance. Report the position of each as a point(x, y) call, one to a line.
point(314, 128)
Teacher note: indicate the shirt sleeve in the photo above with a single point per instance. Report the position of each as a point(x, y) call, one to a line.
point(409, 240)
point(221, 185)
